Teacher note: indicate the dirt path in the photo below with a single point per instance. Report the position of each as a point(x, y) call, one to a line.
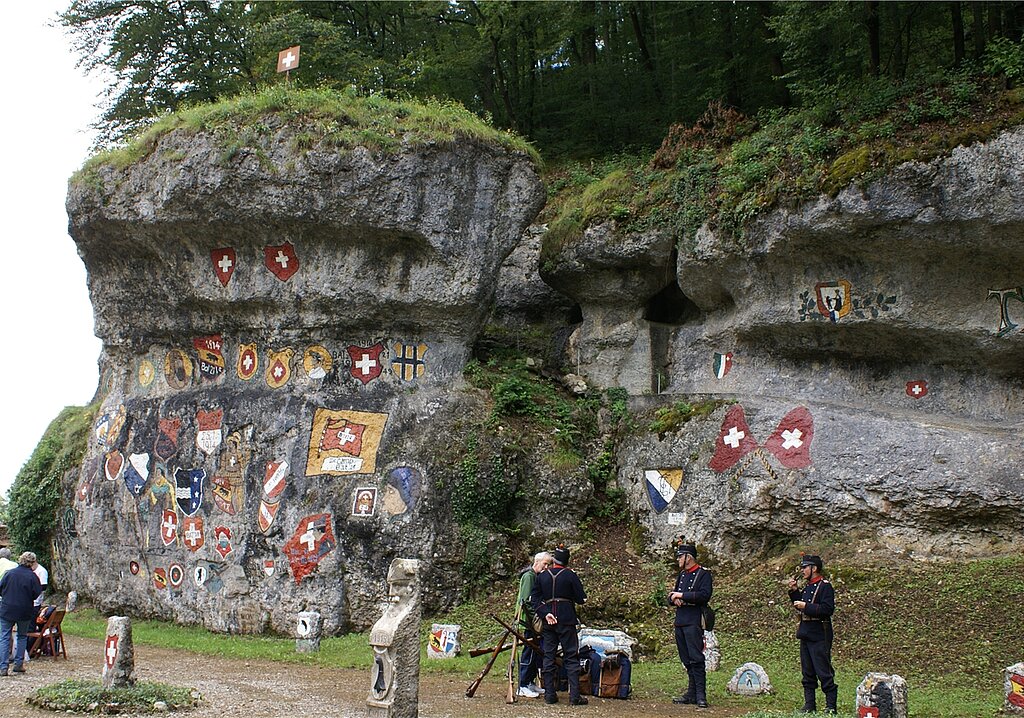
point(263, 689)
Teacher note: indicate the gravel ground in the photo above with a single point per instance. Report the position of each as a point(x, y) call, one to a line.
point(247, 689)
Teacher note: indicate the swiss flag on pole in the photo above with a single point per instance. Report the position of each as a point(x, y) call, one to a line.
point(735, 440)
point(791, 440)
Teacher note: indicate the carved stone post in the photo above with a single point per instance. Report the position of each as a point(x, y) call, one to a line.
point(394, 678)
point(308, 629)
point(118, 653)
point(881, 695)
point(1013, 689)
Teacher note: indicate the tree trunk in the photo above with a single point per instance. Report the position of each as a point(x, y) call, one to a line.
point(958, 33)
point(645, 54)
point(978, 28)
point(874, 47)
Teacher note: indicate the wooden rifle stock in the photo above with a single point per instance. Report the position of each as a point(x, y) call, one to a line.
point(490, 662)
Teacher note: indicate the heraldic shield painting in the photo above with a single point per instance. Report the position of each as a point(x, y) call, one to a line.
point(344, 442)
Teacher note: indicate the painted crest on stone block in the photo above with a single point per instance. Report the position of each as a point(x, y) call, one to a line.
point(281, 260)
point(917, 389)
point(222, 536)
point(192, 533)
point(407, 361)
point(1016, 695)
point(267, 514)
point(248, 361)
point(168, 527)
point(110, 651)
point(113, 465)
point(275, 479)
point(365, 363)
point(344, 442)
point(224, 261)
point(722, 364)
point(662, 485)
point(867, 712)
point(133, 568)
point(209, 429)
point(146, 373)
point(791, 440)
point(268, 567)
point(136, 473)
point(177, 369)
point(279, 367)
point(364, 500)
point(166, 444)
point(317, 361)
point(833, 298)
point(735, 440)
point(159, 578)
point(210, 356)
point(312, 541)
point(188, 489)
point(175, 575)
point(228, 482)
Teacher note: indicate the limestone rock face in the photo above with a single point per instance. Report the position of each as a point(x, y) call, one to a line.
point(890, 319)
point(283, 330)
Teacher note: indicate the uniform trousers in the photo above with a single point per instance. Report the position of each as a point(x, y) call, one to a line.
point(566, 636)
point(816, 665)
point(690, 644)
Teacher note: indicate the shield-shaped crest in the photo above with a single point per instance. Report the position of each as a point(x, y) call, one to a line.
point(662, 485)
point(136, 473)
point(268, 567)
point(168, 527)
point(133, 568)
point(312, 541)
point(209, 433)
point(279, 367)
point(917, 389)
point(207, 574)
point(275, 480)
point(116, 425)
point(317, 361)
point(177, 369)
point(211, 359)
point(188, 489)
point(222, 494)
point(175, 575)
point(110, 651)
point(281, 260)
point(833, 299)
point(223, 263)
point(100, 429)
point(222, 534)
point(735, 440)
point(365, 364)
point(192, 533)
point(407, 361)
point(267, 514)
point(113, 465)
point(166, 444)
point(146, 373)
point(722, 364)
point(791, 440)
point(248, 361)
point(159, 579)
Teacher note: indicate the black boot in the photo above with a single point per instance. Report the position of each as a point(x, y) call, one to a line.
point(810, 701)
point(830, 701)
point(690, 696)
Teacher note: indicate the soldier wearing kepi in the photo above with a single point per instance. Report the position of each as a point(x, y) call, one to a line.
point(556, 591)
point(815, 603)
point(690, 596)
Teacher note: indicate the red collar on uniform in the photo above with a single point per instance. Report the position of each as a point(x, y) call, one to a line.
point(815, 579)
point(558, 565)
point(693, 568)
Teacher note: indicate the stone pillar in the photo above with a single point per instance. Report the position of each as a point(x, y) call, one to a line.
point(118, 653)
point(712, 653)
point(1013, 689)
point(749, 680)
point(444, 640)
point(72, 602)
point(308, 629)
point(880, 695)
point(395, 676)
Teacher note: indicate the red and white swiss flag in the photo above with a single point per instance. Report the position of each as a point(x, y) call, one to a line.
point(224, 262)
point(735, 440)
point(917, 389)
point(791, 440)
point(281, 260)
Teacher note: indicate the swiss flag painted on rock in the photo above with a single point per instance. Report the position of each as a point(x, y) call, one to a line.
point(223, 263)
point(791, 440)
point(281, 260)
point(735, 440)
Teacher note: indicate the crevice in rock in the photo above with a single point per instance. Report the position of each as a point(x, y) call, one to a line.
point(670, 306)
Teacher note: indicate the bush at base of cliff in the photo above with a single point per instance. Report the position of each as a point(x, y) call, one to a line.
point(35, 494)
point(91, 697)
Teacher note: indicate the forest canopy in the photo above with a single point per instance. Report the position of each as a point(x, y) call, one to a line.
point(580, 78)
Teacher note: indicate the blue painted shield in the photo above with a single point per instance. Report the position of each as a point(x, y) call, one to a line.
point(662, 485)
point(136, 473)
point(188, 489)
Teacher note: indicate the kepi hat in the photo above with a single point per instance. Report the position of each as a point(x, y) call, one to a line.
point(561, 555)
point(811, 560)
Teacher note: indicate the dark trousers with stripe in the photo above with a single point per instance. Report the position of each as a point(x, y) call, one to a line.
point(690, 644)
point(566, 636)
point(816, 666)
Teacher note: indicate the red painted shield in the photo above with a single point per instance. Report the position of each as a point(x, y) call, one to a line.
point(735, 440)
point(365, 365)
point(791, 441)
point(113, 465)
point(867, 712)
point(312, 541)
point(267, 514)
point(159, 579)
point(223, 536)
point(166, 444)
point(175, 574)
point(169, 527)
point(223, 264)
point(133, 567)
point(917, 389)
point(192, 533)
point(276, 479)
point(110, 651)
point(281, 260)
point(1016, 695)
point(248, 361)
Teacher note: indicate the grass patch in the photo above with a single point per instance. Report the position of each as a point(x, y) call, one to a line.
point(328, 118)
point(669, 419)
point(80, 696)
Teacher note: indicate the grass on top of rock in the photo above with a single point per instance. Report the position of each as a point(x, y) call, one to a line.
point(322, 117)
point(85, 696)
point(728, 168)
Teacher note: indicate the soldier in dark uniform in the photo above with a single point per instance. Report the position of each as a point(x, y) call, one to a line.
point(815, 603)
point(556, 591)
point(690, 596)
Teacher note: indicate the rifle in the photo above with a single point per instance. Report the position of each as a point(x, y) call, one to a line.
point(513, 674)
point(474, 652)
point(471, 690)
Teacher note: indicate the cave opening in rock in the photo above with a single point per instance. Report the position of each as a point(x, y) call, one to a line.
point(671, 306)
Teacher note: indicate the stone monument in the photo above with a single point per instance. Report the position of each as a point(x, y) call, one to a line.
point(712, 653)
point(118, 653)
point(72, 602)
point(1013, 689)
point(749, 680)
point(881, 695)
point(308, 629)
point(394, 678)
point(445, 640)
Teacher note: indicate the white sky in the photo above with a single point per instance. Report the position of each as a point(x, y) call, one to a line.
point(49, 361)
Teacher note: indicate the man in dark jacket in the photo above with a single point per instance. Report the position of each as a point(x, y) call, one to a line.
point(556, 591)
point(19, 588)
point(690, 596)
point(815, 603)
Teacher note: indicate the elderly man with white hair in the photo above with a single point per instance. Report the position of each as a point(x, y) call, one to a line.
point(6, 564)
point(19, 589)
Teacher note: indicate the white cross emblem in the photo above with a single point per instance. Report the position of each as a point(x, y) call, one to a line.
point(308, 538)
point(734, 437)
point(247, 362)
point(365, 364)
point(916, 389)
point(281, 259)
point(169, 525)
point(278, 371)
point(792, 439)
point(288, 60)
point(192, 536)
point(346, 436)
point(225, 264)
point(111, 652)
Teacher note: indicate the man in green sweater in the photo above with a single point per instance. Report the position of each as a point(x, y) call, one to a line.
point(529, 660)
